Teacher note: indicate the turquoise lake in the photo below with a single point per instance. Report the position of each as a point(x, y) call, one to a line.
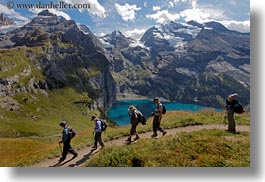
point(119, 111)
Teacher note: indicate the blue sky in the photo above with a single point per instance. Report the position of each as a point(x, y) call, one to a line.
point(133, 17)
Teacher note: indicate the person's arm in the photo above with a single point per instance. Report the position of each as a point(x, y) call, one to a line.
point(160, 111)
point(98, 126)
point(65, 135)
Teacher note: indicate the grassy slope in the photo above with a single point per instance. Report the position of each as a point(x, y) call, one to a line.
point(38, 115)
point(205, 148)
point(49, 146)
point(44, 129)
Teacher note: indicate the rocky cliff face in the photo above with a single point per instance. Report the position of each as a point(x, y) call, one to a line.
point(51, 53)
point(186, 62)
point(4, 21)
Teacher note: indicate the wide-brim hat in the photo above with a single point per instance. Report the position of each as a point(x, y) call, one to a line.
point(93, 117)
point(156, 98)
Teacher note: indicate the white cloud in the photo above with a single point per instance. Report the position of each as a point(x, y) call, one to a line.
point(127, 12)
point(194, 4)
point(135, 33)
point(53, 11)
point(163, 16)
point(12, 13)
point(96, 9)
point(202, 14)
point(241, 26)
point(178, 2)
point(156, 8)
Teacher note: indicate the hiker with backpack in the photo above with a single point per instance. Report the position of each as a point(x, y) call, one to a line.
point(67, 135)
point(232, 105)
point(159, 110)
point(97, 132)
point(135, 116)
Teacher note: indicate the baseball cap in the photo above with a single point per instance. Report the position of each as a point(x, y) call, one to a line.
point(156, 98)
point(62, 123)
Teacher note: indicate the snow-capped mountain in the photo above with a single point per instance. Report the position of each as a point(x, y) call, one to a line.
point(188, 62)
point(171, 36)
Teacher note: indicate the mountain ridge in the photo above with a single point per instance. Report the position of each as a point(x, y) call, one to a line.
point(62, 55)
point(182, 54)
point(190, 56)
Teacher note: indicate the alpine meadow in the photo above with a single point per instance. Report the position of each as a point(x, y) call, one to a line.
point(63, 70)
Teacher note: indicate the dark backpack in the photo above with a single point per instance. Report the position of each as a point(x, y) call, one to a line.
point(238, 108)
point(164, 110)
point(71, 132)
point(141, 117)
point(104, 125)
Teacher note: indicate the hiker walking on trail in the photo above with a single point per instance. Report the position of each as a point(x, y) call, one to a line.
point(231, 101)
point(157, 117)
point(97, 132)
point(66, 140)
point(134, 115)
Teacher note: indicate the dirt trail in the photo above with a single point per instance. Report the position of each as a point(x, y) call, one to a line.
point(85, 154)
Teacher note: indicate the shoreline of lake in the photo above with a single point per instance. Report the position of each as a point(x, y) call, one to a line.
point(119, 111)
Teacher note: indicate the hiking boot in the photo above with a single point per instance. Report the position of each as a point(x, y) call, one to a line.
point(128, 139)
point(94, 147)
point(164, 132)
point(231, 131)
point(154, 135)
point(136, 138)
point(61, 159)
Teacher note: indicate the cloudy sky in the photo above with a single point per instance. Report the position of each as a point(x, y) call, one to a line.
point(134, 17)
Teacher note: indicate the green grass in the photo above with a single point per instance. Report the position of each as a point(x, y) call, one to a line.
point(39, 115)
point(58, 106)
point(206, 148)
point(84, 137)
point(12, 62)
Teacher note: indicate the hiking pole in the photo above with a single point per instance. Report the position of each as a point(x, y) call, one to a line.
point(225, 119)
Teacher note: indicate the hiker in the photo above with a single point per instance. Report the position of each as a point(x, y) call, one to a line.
point(231, 101)
point(66, 140)
point(134, 118)
point(97, 132)
point(157, 117)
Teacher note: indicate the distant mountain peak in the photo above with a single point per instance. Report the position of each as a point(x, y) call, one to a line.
point(117, 33)
point(194, 23)
point(216, 26)
point(46, 13)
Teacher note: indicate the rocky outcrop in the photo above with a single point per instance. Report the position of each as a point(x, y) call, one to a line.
point(9, 104)
point(66, 55)
point(4, 21)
